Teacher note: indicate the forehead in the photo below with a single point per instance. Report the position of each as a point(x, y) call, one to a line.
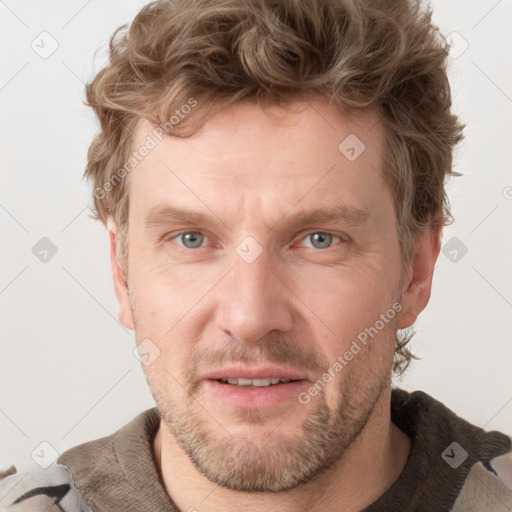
point(317, 122)
point(256, 158)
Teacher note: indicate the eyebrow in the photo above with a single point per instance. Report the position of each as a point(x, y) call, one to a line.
point(353, 216)
point(341, 213)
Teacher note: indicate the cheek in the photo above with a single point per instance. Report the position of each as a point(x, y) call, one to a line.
point(169, 307)
point(350, 302)
point(165, 293)
point(346, 299)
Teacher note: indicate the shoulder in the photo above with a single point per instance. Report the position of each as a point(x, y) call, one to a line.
point(465, 468)
point(97, 474)
point(91, 463)
point(100, 454)
point(41, 489)
point(103, 466)
point(107, 470)
point(488, 486)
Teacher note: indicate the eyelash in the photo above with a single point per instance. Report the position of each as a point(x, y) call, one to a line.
point(177, 235)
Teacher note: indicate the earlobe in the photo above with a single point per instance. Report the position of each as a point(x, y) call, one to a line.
point(417, 283)
point(120, 285)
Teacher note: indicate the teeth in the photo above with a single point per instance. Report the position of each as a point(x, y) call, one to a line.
point(258, 383)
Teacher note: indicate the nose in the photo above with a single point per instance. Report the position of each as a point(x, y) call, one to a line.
point(255, 300)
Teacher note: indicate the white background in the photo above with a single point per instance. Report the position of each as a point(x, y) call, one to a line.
point(67, 371)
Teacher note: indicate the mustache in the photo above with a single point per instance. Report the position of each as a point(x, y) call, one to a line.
point(272, 349)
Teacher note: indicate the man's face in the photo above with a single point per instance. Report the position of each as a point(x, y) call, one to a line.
point(251, 289)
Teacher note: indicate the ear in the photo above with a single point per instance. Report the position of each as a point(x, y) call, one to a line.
point(418, 277)
point(120, 286)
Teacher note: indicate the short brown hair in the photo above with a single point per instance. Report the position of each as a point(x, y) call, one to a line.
point(382, 54)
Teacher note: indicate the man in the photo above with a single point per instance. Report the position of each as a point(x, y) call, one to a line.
point(271, 173)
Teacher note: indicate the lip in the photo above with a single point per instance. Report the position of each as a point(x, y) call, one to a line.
point(242, 397)
point(255, 372)
point(255, 397)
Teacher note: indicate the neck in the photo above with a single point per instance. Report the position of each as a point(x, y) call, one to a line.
point(376, 457)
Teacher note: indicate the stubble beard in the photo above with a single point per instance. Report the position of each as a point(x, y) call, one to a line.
point(272, 462)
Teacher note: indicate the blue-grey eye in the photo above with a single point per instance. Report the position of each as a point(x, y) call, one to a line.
point(320, 240)
point(191, 240)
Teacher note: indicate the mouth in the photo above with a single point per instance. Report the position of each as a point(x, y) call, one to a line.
point(255, 388)
point(256, 383)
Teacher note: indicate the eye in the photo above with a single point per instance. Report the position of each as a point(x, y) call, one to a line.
point(190, 239)
point(321, 240)
point(195, 239)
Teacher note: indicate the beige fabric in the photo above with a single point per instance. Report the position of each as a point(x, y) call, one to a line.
point(485, 492)
point(39, 489)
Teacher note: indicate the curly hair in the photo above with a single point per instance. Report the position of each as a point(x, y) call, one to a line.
point(380, 54)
